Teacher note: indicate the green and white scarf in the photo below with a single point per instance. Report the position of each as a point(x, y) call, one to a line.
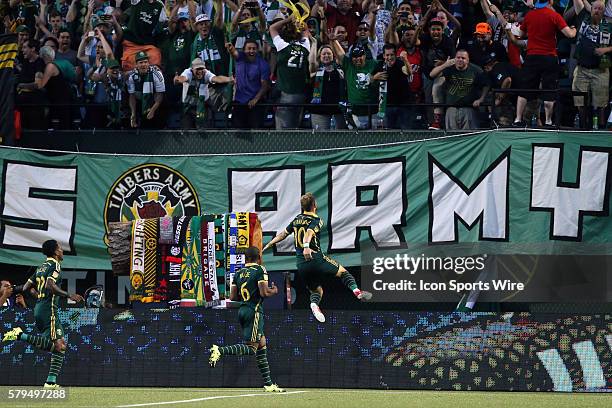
point(382, 96)
point(319, 83)
point(196, 99)
point(114, 90)
point(145, 88)
point(208, 51)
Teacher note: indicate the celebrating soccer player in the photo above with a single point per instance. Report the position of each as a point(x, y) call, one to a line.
point(311, 262)
point(252, 281)
point(47, 279)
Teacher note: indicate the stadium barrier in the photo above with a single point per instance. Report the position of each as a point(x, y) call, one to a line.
point(380, 350)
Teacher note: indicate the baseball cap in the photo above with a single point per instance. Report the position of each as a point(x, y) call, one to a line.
point(22, 28)
point(541, 4)
point(112, 63)
point(197, 63)
point(483, 28)
point(141, 55)
point(202, 18)
point(357, 51)
point(489, 58)
point(183, 15)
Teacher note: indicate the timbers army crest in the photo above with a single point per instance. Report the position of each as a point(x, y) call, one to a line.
point(149, 191)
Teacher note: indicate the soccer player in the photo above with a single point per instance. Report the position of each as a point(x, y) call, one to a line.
point(252, 282)
point(311, 262)
point(46, 281)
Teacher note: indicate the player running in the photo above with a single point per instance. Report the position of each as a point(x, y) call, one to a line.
point(311, 262)
point(252, 282)
point(46, 281)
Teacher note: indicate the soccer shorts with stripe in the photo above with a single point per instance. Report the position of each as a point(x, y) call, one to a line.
point(252, 323)
point(47, 321)
point(321, 267)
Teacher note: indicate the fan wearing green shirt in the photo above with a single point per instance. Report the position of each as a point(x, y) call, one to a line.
point(292, 51)
point(361, 82)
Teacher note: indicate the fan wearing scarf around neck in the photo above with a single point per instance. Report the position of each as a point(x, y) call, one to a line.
point(209, 46)
point(112, 79)
point(195, 82)
point(146, 87)
point(249, 22)
point(328, 88)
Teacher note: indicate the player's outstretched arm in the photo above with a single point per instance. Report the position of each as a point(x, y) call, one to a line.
point(278, 238)
point(265, 290)
point(56, 290)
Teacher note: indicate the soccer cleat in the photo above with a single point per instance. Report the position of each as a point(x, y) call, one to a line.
point(12, 335)
point(316, 311)
point(364, 296)
point(51, 386)
point(273, 388)
point(215, 355)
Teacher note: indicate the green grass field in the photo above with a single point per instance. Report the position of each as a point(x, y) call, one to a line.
point(294, 398)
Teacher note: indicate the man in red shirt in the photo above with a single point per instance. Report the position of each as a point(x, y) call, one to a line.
point(346, 13)
point(541, 64)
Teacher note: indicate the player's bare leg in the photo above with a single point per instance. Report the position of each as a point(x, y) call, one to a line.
point(315, 299)
point(349, 281)
point(264, 368)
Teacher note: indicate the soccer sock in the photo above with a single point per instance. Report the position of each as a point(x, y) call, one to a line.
point(262, 364)
point(57, 360)
point(349, 281)
point(315, 298)
point(41, 343)
point(236, 350)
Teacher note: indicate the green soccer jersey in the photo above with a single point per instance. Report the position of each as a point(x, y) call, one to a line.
point(143, 20)
point(360, 87)
point(299, 226)
point(50, 269)
point(247, 280)
point(292, 65)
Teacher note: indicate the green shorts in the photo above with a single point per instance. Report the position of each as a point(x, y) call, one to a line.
point(317, 269)
point(252, 324)
point(47, 321)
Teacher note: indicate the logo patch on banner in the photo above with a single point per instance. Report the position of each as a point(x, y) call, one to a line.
point(150, 191)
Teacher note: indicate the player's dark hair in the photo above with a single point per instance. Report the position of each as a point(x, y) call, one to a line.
point(49, 247)
point(252, 254)
point(308, 202)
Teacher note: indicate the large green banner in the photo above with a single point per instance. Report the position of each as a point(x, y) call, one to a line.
point(513, 192)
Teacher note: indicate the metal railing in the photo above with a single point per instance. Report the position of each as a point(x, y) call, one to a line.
point(223, 118)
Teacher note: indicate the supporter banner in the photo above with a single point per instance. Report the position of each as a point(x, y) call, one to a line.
point(507, 192)
point(379, 350)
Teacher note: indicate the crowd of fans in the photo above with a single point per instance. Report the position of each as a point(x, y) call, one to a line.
point(349, 64)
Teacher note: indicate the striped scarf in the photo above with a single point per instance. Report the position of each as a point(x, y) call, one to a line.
point(382, 96)
point(319, 83)
point(196, 99)
point(208, 51)
point(114, 90)
point(145, 87)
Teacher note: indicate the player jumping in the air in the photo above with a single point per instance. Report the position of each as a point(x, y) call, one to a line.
point(46, 281)
point(311, 262)
point(252, 282)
